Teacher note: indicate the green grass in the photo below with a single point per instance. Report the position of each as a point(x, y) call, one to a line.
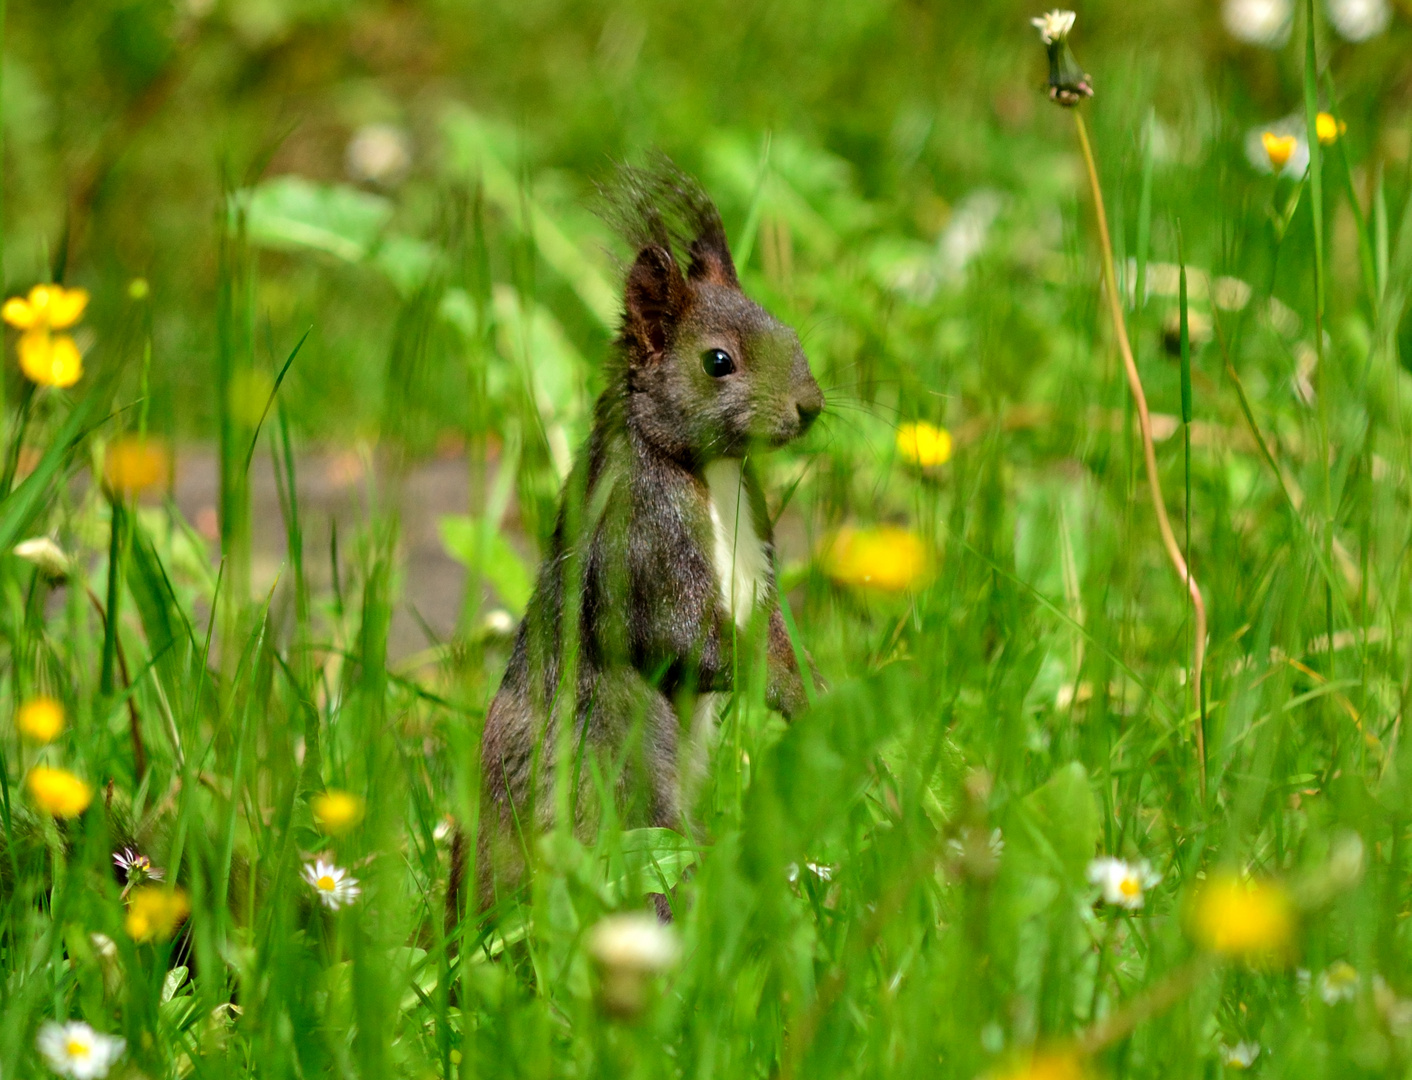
point(895, 884)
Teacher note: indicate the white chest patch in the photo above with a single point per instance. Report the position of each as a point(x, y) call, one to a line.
point(742, 568)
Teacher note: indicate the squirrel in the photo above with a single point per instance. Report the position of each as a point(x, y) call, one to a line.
point(662, 550)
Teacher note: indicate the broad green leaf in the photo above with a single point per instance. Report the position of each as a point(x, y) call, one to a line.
point(469, 542)
point(1064, 812)
point(647, 861)
point(290, 212)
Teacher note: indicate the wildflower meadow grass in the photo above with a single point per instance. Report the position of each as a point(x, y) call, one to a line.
point(1100, 546)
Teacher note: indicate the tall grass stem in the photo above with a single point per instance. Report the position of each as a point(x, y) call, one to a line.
point(1164, 525)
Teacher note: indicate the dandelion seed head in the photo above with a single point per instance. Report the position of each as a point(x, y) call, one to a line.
point(1054, 25)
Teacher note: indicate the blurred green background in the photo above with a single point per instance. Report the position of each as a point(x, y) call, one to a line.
point(127, 124)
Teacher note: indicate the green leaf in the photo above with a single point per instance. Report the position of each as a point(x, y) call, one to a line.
point(473, 543)
point(647, 861)
point(292, 213)
point(406, 261)
point(1064, 815)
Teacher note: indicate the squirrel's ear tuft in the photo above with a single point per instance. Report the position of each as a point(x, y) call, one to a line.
point(711, 255)
point(655, 298)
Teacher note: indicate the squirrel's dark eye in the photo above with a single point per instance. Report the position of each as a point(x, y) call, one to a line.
point(717, 363)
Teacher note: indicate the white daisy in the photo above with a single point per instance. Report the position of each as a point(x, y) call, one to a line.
point(1122, 883)
point(75, 1049)
point(1258, 22)
point(1338, 982)
point(1054, 25)
point(136, 868)
point(1240, 1056)
point(1359, 20)
point(332, 884)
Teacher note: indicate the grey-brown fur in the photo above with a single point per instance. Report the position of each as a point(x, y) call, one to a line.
point(635, 528)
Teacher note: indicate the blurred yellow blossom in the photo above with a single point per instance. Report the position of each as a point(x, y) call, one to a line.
point(885, 557)
point(1328, 129)
point(47, 358)
point(154, 913)
point(40, 719)
point(133, 464)
point(924, 444)
point(1242, 918)
point(1279, 148)
point(336, 812)
point(1046, 1065)
point(58, 791)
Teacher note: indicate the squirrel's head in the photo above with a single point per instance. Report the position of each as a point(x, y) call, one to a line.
point(710, 373)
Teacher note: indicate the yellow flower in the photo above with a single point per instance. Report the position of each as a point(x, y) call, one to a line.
point(47, 358)
point(1328, 129)
point(154, 913)
point(40, 719)
point(132, 465)
point(924, 444)
point(58, 791)
point(1046, 1065)
point(885, 558)
point(1279, 148)
point(1242, 918)
point(336, 812)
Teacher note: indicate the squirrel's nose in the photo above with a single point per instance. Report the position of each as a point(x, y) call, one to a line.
point(808, 413)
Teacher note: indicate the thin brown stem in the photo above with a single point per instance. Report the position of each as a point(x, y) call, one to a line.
point(1169, 538)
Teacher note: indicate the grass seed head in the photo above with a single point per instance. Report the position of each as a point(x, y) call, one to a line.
point(43, 553)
